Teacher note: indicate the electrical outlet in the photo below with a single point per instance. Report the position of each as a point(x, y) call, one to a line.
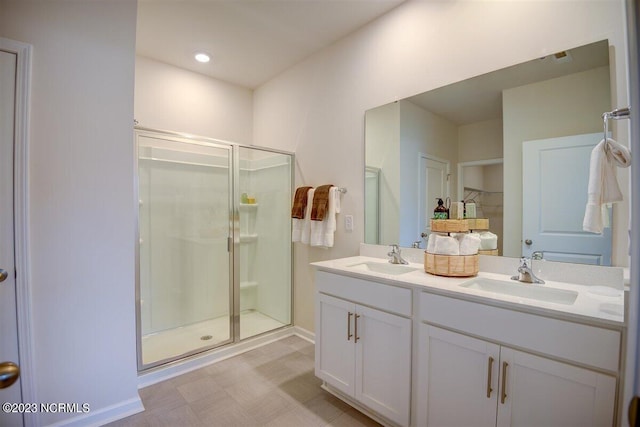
point(348, 222)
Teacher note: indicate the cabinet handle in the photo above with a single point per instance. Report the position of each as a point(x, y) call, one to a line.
point(504, 382)
point(489, 375)
point(349, 334)
point(357, 337)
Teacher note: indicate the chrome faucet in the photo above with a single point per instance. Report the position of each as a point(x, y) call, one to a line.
point(395, 257)
point(525, 272)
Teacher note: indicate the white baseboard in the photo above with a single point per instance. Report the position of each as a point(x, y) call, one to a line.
point(105, 415)
point(305, 334)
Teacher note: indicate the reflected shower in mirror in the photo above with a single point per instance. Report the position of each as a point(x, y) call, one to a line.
point(465, 141)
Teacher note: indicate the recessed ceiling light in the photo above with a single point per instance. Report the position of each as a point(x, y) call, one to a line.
point(202, 57)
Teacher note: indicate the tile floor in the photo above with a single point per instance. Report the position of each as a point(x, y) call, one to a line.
point(273, 385)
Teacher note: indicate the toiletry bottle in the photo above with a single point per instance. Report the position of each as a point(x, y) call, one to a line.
point(470, 208)
point(440, 212)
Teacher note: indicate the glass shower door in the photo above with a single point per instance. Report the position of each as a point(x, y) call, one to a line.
point(185, 215)
point(264, 253)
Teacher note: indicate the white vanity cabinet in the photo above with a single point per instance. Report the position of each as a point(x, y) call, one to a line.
point(363, 343)
point(465, 380)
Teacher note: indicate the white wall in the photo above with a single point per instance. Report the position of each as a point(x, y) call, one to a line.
point(480, 141)
point(174, 99)
point(81, 201)
point(404, 53)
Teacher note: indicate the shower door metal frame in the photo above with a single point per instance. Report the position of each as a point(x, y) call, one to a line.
point(234, 238)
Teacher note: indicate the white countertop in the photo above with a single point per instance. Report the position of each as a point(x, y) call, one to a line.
point(594, 304)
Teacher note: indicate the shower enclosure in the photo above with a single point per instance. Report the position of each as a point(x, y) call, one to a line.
point(214, 251)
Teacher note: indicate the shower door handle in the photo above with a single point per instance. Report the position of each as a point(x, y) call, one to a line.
point(229, 244)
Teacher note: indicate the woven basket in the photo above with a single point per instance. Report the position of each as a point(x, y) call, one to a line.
point(449, 225)
point(451, 265)
point(488, 252)
point(478, 223)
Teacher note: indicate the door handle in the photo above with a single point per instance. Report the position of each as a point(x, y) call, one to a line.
point(528, 242)
point(3, 274)
point(503, 396)
point(357, 337)
point(349, 334)
point(490, 369)
point(9, 374)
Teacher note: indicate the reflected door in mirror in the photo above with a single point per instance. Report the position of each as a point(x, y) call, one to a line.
point(554, 196)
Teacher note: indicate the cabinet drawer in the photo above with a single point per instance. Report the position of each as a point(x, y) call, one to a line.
point(385, 297)
point(589, 345)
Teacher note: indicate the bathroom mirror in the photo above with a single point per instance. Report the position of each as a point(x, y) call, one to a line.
point(425, 146)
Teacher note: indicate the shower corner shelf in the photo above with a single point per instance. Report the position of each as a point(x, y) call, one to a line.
point(247, 284)
point(248, 206)
point(248, 238)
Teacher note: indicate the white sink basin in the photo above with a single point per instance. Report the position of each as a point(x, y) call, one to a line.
point(383, 267)
point(522, 290)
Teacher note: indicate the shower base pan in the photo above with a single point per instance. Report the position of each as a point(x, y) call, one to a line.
point(174, 342)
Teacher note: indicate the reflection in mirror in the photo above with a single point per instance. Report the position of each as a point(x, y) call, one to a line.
point(481, 181)
point(470, 136)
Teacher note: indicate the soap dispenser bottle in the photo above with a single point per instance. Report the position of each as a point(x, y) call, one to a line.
point(440, 212)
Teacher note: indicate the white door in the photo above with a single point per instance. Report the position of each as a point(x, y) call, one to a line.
point(335, 348)
point(555, 175)
point(543, 392)
point(458, 384)
point(10, 391)
point(434, 184)
point(383, 363)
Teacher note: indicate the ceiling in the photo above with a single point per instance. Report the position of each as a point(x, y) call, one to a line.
point(480, 98)
point(249, 41)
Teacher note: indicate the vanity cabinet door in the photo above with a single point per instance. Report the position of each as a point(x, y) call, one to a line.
point(383, 363)
point(335, 349)
point(543, 392)
point(458, 380)
point(366, 354)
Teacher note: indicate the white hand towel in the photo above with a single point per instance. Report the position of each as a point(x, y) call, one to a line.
point(305, 233)
point(488, 241)
point(603, 185)
point(446, 245)
point(469, 243)
point(322, 232)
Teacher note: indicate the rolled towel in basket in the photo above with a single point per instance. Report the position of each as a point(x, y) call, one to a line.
point(488, 241)
point(469, 243)
point(431, 243)
point(445, 245)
